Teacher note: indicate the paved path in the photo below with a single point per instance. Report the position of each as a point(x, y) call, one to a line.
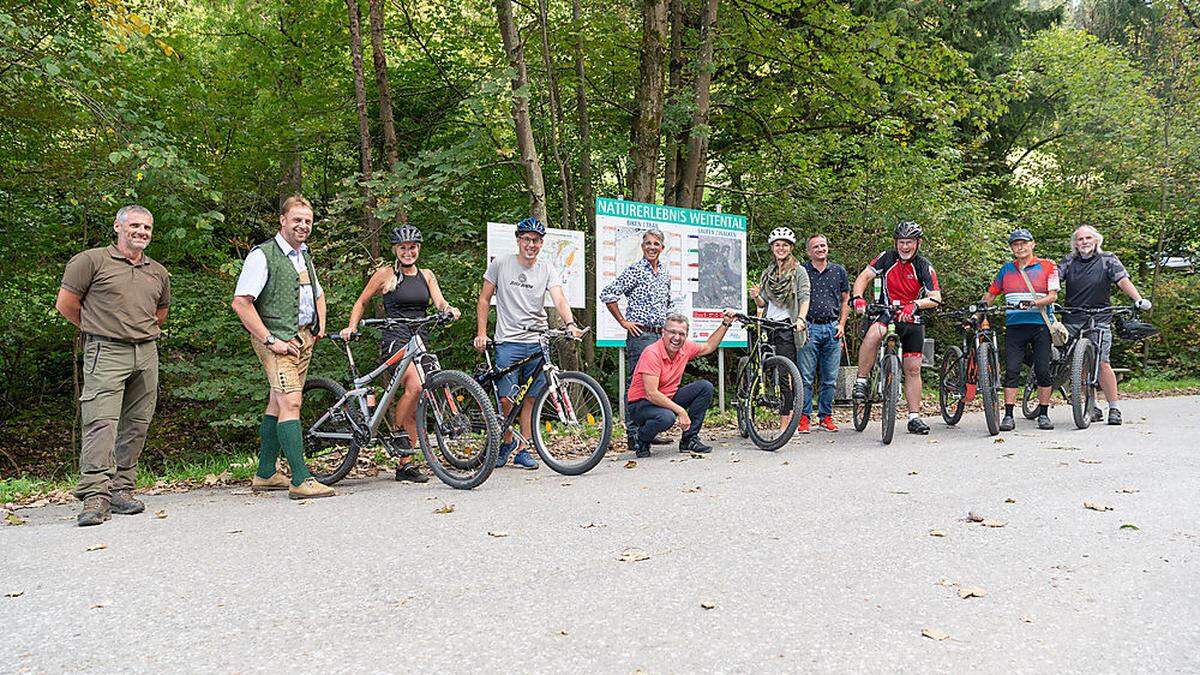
point(818, 557)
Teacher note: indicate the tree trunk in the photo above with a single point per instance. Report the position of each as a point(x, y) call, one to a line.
point(291, 81)
point(648, 103)
point(364, 129)
point(556, 117)
point(585, 174)
point(675, 140)
point(387, 120)
point(691, 176)
point(515, 50)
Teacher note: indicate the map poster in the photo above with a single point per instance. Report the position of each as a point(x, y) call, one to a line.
point(563, 249)
point(705, 253)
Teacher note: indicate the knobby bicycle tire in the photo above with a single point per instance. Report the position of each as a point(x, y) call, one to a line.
point(1083, 389)
point(437, 463)
point(762, 441)
point(591, 458)
point(743, 397)
point(890, 375)
point(986, 374)
point(861, 410)
point(313, 445)
point(1029, 399)
point(952, 383)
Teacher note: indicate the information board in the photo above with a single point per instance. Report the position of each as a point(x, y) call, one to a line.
point(705, 253)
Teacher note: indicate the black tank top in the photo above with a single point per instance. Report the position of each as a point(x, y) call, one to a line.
point(409, 299)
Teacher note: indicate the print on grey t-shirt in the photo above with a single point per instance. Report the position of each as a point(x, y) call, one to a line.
point(520, 297)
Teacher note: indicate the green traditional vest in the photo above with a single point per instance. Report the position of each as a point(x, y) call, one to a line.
point(278, 304)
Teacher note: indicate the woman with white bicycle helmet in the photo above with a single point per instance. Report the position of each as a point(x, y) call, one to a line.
point(407, 292)
point(782, 294)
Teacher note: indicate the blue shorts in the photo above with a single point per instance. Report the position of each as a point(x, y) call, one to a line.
point(508, 353)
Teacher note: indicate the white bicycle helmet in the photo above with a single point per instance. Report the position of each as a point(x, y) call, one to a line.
point(782, 233)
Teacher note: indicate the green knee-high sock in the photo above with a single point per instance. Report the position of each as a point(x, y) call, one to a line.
point(268, 448)
point(291, 441)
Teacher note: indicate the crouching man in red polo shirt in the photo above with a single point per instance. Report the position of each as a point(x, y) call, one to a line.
point(657, 402)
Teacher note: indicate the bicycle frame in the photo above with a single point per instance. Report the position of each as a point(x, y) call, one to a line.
point(492, 375)
point(976, 331)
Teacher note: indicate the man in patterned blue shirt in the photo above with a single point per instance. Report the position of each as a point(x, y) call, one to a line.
point(647, 285)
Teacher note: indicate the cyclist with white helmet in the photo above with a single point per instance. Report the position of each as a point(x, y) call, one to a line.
point(520, 283)
point(910, 280)
point(782, 294)
point(407, 292)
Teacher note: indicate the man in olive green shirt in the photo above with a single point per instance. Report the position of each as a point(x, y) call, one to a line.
point(118, 297)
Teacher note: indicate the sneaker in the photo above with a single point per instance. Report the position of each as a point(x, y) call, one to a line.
point(409, 472)
point(803, 426)
point(916, 426)
point(1114, 417)
point(310, 489)
point(525, 460)
point(827, 423)
point(1008, 423)
point(860, 390)
point(1044, 422)
point(277, 481)
point(694, 444)
point(640, 450)
point(124, 503)
point(96, 510)
point(506, 449)
point(398, 447)
point(1097, 415)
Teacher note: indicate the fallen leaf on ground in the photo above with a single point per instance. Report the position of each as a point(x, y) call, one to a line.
point(1059, 446)
point(697, 455)
point(1096, 506)
point(974, 517)
point(708, 604)
point(897, 492)
point(241, 492)
point(999, 439)
point(1127, 491)
point(98, 605)
point(995, 523)
point(14, 519)
point(631, 464)
point(233, 531)
point(785, 462)
point(912, 473)
point(971, 592)
point(563, 632)
point(934, 634)
point(14, 594)
point(160, 514)
point(936, 533)
point(566, 483)
point(1129, 526)
point(633, 555)
point(497, 533)
point(692, 489)
point(445, 508)
point(1010, 500)
point(96, 547)
point(734, 457)
point(588, 526)
point(1085, 460)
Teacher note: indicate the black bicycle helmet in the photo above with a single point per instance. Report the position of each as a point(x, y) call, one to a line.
point(907, 229)
point(1134, 329)
point(404, 234)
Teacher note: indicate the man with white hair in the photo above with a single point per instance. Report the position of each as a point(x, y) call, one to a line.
point(1088, 273)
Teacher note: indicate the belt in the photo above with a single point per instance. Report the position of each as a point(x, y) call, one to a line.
point(650, 329)
point(824, 320)
point(105, 338)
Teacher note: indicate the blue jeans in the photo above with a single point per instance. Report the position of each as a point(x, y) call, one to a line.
point(694, 397)
point(822, 352)
point(508, 353)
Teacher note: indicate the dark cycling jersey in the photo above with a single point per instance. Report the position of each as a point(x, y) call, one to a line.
point(903, 280)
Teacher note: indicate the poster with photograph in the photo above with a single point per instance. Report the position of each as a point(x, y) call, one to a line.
point(705, 253)
point(564, 249)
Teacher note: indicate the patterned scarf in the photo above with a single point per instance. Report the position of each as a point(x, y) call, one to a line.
point(780, 287)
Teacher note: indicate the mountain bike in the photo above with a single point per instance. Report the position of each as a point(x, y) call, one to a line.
point(457, 428)
point(768, 386)
point(883, 382)
point(572, 416)
point(1075, 367)
point(973, 368)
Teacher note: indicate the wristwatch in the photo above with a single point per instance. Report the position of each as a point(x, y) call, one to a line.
point(269, 340)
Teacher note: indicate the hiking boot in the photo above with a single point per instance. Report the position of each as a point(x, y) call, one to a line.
point(506, 449)
point(1008, 423)
point(124, 503)
point(694, 444)
point(1045, 423)
point(827, 423)
point(1098, 415)
point(803, 426)
point(860, 390)
point(310, 489)
point(409, 472)
point(96, 510)
point(1114, 417)
point(916, 426)
point(640, 450)
point(277, 481)
point(525, 460)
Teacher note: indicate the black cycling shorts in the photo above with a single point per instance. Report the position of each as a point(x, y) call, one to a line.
point(912, 337)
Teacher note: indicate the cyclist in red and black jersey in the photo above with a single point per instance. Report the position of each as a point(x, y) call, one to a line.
point(910, 280)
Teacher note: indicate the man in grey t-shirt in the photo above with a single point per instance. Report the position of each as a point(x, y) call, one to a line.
point(520, 283)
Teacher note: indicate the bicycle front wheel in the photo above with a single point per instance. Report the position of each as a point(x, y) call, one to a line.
point(745, 377)
point(573, 424)
point(1029, 398)
point(862, 409)
point(1083, 387)
point(890, 374)
point(775, 393)
point(458, 429)
point(952, 386)
point(986, 368)
point(330, 445)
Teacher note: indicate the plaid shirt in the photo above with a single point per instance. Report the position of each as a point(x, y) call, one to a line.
point(649, 293)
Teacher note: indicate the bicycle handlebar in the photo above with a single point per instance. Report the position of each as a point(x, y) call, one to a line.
point(439, 318)
point(1110, 309)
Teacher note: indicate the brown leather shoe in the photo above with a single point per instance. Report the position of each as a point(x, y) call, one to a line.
point(95, 511)
point(277, 481)
point(124, 503)
point(310, 489)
